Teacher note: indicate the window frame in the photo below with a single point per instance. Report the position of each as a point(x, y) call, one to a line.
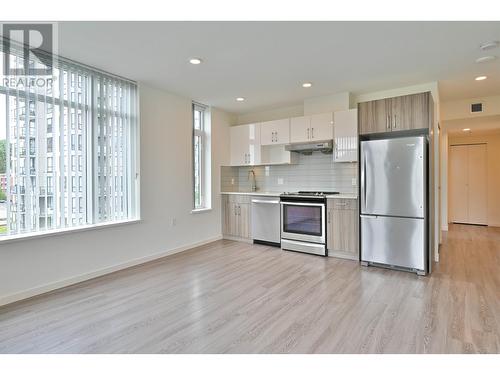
point(132, 150)
point(204, 157)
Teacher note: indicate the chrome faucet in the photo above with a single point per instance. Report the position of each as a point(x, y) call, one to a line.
point(254, 181)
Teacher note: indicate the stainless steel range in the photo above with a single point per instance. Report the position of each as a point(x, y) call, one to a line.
point(303, 221)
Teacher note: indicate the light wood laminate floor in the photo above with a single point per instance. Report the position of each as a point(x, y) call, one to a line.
point(230, 297)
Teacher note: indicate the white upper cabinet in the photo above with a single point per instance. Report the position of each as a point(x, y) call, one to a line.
point(245, 144)
point(275, 132)
point(311, 128)
point(345, 136)
point(300, 129)
point(321, 127)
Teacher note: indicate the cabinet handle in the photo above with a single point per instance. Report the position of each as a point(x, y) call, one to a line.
point(312, 133)
point(276, 136)
point(307, 133)
point(329, 215)
point(388, 122)
point(239, 210)
point(394, 125)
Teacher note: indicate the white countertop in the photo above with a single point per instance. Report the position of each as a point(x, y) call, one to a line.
point(342, 196)
point(277, 194)
point(255, 193)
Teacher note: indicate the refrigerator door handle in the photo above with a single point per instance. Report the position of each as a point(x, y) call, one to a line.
point(363, 182)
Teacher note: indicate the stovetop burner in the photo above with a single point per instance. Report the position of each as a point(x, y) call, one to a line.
point(310, 193)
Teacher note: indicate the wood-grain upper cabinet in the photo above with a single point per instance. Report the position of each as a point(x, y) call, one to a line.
point(275, 132)
point(410, 112)
point(395, 114)
point(245, 144)
point(236, 216)
point(374, 116)
point(342, 235)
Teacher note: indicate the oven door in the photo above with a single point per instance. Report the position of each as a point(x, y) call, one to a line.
point(303, 221)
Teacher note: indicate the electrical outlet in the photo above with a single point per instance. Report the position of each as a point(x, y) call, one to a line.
point(280, 181)
point(354, 181)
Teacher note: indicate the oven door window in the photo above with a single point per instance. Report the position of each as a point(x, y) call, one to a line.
point(302, 219)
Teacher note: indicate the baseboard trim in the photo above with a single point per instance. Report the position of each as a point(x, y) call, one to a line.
point(50, 287)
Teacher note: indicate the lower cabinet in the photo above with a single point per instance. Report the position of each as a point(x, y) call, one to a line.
point(236, 216)
point(342, 231)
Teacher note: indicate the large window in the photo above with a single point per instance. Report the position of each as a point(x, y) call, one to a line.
point(67, 150)
point(201, 157)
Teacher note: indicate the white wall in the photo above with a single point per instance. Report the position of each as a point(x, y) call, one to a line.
point(271, 114)
point(452, 110)
point(460, 109)
point(29, 267)
point(327, 103)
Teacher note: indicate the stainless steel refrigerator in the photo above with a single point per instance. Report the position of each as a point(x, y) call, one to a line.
point(393, 212)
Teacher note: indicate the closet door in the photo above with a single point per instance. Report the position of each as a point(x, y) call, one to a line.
point(459, 176)
point(478, 191)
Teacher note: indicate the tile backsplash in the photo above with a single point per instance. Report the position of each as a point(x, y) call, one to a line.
point(316, 172)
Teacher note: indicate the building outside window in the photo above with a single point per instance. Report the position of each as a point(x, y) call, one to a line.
point(201, 157)
point(55, 174)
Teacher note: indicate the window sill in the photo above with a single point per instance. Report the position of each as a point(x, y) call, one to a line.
point(56, 232)
point(201, 210)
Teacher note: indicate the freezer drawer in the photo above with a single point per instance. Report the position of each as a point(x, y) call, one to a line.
point(394, 241)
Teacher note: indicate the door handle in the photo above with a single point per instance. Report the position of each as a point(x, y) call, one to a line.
point(263, 201)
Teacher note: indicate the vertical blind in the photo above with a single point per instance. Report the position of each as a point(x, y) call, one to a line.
point(71, 149)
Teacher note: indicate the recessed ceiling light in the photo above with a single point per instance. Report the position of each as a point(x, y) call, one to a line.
point(195, 61)
point(480, 78)
point(240, 99)
point(466, 129)
point(489, 45)
point(307, 84)
point(484, 59)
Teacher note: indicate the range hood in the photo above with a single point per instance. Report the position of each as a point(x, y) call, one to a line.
point(309, 147)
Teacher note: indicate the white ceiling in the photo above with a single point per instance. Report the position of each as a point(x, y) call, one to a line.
point(478, 125)
point(266, 62)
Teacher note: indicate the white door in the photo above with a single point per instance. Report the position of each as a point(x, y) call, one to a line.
point(239, 144)
point(245, 144)
point(300, 129)
point(478, 181)
point(459, 177)
point(345, 131)
point(468, 184)
point(275, 132)
point(322, 127)
point(253, 146)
